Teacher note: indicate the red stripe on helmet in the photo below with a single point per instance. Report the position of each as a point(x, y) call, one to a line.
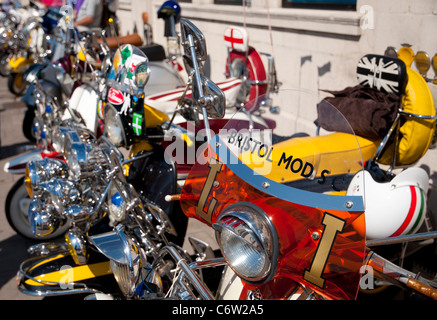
point(410, 213)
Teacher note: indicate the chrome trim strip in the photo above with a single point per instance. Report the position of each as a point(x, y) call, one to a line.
point(189, 273)
point(22, 276)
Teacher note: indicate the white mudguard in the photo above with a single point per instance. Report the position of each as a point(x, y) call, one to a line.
point(84, 100)
point(166, 101)
point(18, 164)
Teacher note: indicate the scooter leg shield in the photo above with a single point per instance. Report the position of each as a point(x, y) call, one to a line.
point(57, 274)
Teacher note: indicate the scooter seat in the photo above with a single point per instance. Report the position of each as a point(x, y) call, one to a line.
point(154, 52)
point(236, 38)
point(133, 39)
point(415, 134)
point(386, 74)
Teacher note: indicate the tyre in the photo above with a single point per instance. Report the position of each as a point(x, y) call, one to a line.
point(17, 208)
point(28, 124)
point(252, 68)
point(4, 71)
point(16, 83)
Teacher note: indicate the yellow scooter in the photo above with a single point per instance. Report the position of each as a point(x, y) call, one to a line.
point(31, 49)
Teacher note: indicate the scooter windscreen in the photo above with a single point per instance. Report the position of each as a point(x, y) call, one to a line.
point(277, 198)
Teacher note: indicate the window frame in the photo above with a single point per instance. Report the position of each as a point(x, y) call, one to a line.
point(319, 6)
point(229, 2)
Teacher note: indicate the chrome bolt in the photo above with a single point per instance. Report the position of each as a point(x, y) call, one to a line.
point(315, 236)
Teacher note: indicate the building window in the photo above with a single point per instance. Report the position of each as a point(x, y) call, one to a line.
point(321, 4)
point(232, 2)
point(184, 0)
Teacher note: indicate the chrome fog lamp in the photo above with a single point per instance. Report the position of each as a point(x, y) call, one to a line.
point(76, 158)
point(43, 222)
point(41, 171)
point(60, 193)
point(69, 136)
point(59, 136)
point(117, 202)
point(76, 244)
point(77, 212)
point(125, 259)
point(114, 129)
point(248, 242)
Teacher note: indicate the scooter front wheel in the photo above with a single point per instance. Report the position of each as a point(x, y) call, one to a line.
point(28, 124)
point(4, 71)
point(16, 83)
point(17, 209)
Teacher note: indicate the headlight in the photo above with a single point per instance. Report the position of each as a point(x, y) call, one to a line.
point(46, 213)
point(248, 242)
point(117, 204)
point(69, 137)
point(122, 198)
point(59, 136)
point(77, 212)
point(76, 157)
point(84, 158)
point(41, 171)
point(114, 129)
point(43, 222)
point(76, 246)
point(126, 274)
point(60, 193)
point(126, 262)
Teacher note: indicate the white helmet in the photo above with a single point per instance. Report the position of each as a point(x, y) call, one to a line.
point(392, 208)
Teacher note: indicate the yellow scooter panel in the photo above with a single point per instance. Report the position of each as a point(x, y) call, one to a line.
point(314, 157)
point(154, 117)
point(19, 64)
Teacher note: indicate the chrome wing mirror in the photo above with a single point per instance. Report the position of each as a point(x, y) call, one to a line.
point(192, 37)
point(207, 96)
point(213, 98)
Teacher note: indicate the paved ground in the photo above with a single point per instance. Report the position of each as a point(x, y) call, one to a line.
point(12, 142)
point(12, 246)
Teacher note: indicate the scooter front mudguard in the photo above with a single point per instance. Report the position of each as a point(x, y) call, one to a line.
point(57, 274)
point(18, 164)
